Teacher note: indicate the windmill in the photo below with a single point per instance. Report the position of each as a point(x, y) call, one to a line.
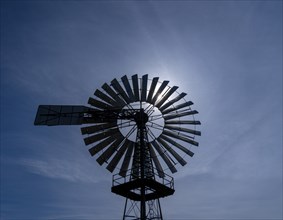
point(140, 127)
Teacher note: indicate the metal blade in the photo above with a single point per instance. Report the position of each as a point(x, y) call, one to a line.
point(180, 137)
point(110, 151)
point(113, 94)
point(96, 128)
point(159, 91)
point(144, 88)
point(175, 108)
point(105, 98)
point(98, 104)
point(176, 144)
point(113, 163)
point(172, 116)
point(100, 146)
point(174, 153)
point(188, 122)
point(126, 161)
point(135, 82)
point(152, 89)
point(101, 136)
point(128, 88)
point(116, 85)
point(164, 156)
point(166, 96)
point(176, 128)
point(176, 99)
point(156, 162)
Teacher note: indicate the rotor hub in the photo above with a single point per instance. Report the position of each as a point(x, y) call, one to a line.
point(141, 118)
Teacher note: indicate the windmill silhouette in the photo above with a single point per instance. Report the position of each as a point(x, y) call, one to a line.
point(137, 129)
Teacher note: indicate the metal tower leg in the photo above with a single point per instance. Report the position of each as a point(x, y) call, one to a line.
point(125, 208)
point(160, 212)
point(132, 210)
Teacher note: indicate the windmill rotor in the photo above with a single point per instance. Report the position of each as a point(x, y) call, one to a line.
point(170, 123)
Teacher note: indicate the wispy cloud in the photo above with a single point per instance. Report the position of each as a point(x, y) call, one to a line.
point(59, 169)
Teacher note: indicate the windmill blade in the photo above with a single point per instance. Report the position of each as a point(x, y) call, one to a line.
point(180, 137)
point(103, 144)
point(174, 153)
point(135, 82)
point(110, 151)
point(156, 162)
point(128, 88)
point(126, 161)
point(113, 163)
point(175, 108)
point(152, 89)
point(159, 91)
point(176, 99)
point(101, 136)
point(113, 94)
point(164, 156)
point(178, 115)
point(176, 144)
point(105, 98)
point(96, 128)
point(176, 128)
point(188, 122)
point(144, 88)
point(116, 85)
point(166, 96)
point(98, 104)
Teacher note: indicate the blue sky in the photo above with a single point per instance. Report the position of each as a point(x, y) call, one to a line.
point(227, 55)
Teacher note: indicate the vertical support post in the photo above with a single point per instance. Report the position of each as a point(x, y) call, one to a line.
point(141, 127)
point(159, 208)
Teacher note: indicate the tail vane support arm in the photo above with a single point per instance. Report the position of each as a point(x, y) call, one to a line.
point(52, 115)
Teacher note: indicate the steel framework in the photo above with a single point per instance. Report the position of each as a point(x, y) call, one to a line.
point(153, 148)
